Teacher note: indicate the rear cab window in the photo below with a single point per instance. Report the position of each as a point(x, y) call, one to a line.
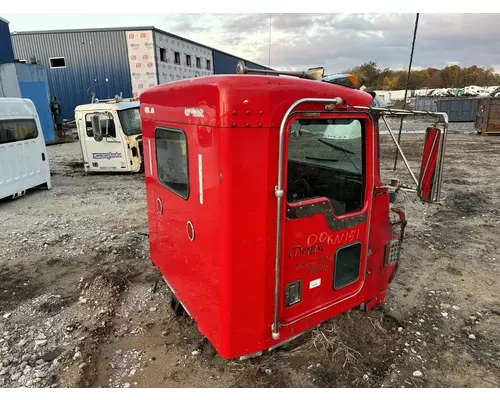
point(16, 130)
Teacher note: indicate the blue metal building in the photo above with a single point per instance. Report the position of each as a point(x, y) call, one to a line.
point(6, 51)
point(78, 63)
point(114, 61)
point(225, 63)
point(28, 81)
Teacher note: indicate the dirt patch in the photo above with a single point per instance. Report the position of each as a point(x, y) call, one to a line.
point(456, 181)
point(468, 203)
point(75, 164)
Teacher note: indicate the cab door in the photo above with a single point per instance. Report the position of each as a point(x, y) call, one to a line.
point(328, 186)
point(109, 152)
point(174, 207)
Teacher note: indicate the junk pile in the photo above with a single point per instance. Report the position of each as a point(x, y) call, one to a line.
point(468, 91)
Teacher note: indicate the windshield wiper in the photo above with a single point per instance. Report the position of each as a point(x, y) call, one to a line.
point(321, 159)
point(343, 150)
point(336, 147)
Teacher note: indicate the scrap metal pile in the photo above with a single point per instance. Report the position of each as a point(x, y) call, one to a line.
point(468, 91)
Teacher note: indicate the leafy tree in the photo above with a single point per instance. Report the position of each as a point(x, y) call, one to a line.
point(369, 75)
point(449, 76)
point(417, 78)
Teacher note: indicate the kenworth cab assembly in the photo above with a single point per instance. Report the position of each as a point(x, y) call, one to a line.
point(267, 214)
point(110, 135)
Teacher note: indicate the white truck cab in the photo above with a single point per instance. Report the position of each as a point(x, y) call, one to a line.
point(24, 163)
point(110, 135)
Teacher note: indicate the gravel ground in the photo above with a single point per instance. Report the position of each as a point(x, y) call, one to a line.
point(79, 304)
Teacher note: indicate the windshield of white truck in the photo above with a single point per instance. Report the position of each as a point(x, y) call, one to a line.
point(130, 120)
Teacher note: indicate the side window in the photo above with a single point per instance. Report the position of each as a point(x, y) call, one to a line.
point(326, 159)
point(107, 124)
point(15, 130)
point(172, 160)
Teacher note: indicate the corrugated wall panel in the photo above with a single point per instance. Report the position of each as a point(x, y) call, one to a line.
point(459, 109)
point(226, 63)
point(6, 52)
point(96, 61)
point(255, 66)
point(425, 104)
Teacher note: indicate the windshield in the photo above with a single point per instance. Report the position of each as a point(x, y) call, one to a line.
point(130, 120)
point(334, 143)
point(325, 159)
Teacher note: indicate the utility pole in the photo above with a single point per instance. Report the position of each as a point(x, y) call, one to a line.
point(407, 85)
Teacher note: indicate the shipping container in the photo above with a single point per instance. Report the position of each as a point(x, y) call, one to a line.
point(29, 81)
point(488, 116)
point(424, 103)
point(33, 85)
point(458, 109)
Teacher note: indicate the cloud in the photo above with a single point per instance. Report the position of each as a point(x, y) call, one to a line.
point(304, 40)
point(341, 41)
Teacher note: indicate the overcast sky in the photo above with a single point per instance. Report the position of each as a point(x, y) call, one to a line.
point(298, 41)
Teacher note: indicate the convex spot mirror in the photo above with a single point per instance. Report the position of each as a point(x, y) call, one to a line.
point(429, 165)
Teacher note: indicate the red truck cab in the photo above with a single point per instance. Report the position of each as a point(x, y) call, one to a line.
point(266, 211)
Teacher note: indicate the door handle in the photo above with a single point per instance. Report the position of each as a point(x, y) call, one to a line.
point(43, 156)
point(159, 206)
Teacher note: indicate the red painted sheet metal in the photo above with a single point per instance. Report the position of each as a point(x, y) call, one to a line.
point(225, 277)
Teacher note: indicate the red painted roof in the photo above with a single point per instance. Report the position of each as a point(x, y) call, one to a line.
point(239, 100)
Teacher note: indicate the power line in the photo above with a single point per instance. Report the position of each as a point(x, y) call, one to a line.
point(407, 86)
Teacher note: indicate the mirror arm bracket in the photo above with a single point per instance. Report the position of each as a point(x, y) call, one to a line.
point(400, 151)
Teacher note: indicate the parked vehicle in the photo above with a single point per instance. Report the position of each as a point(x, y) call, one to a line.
point(110, 135)
point(23, 155)
point(267, 214)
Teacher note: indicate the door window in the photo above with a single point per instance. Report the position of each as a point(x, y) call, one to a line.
point(172, 161)
point(347, 265)
point(326, 159)
point(107, 124)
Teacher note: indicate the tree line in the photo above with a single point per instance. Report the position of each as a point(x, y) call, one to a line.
point(369, 75)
